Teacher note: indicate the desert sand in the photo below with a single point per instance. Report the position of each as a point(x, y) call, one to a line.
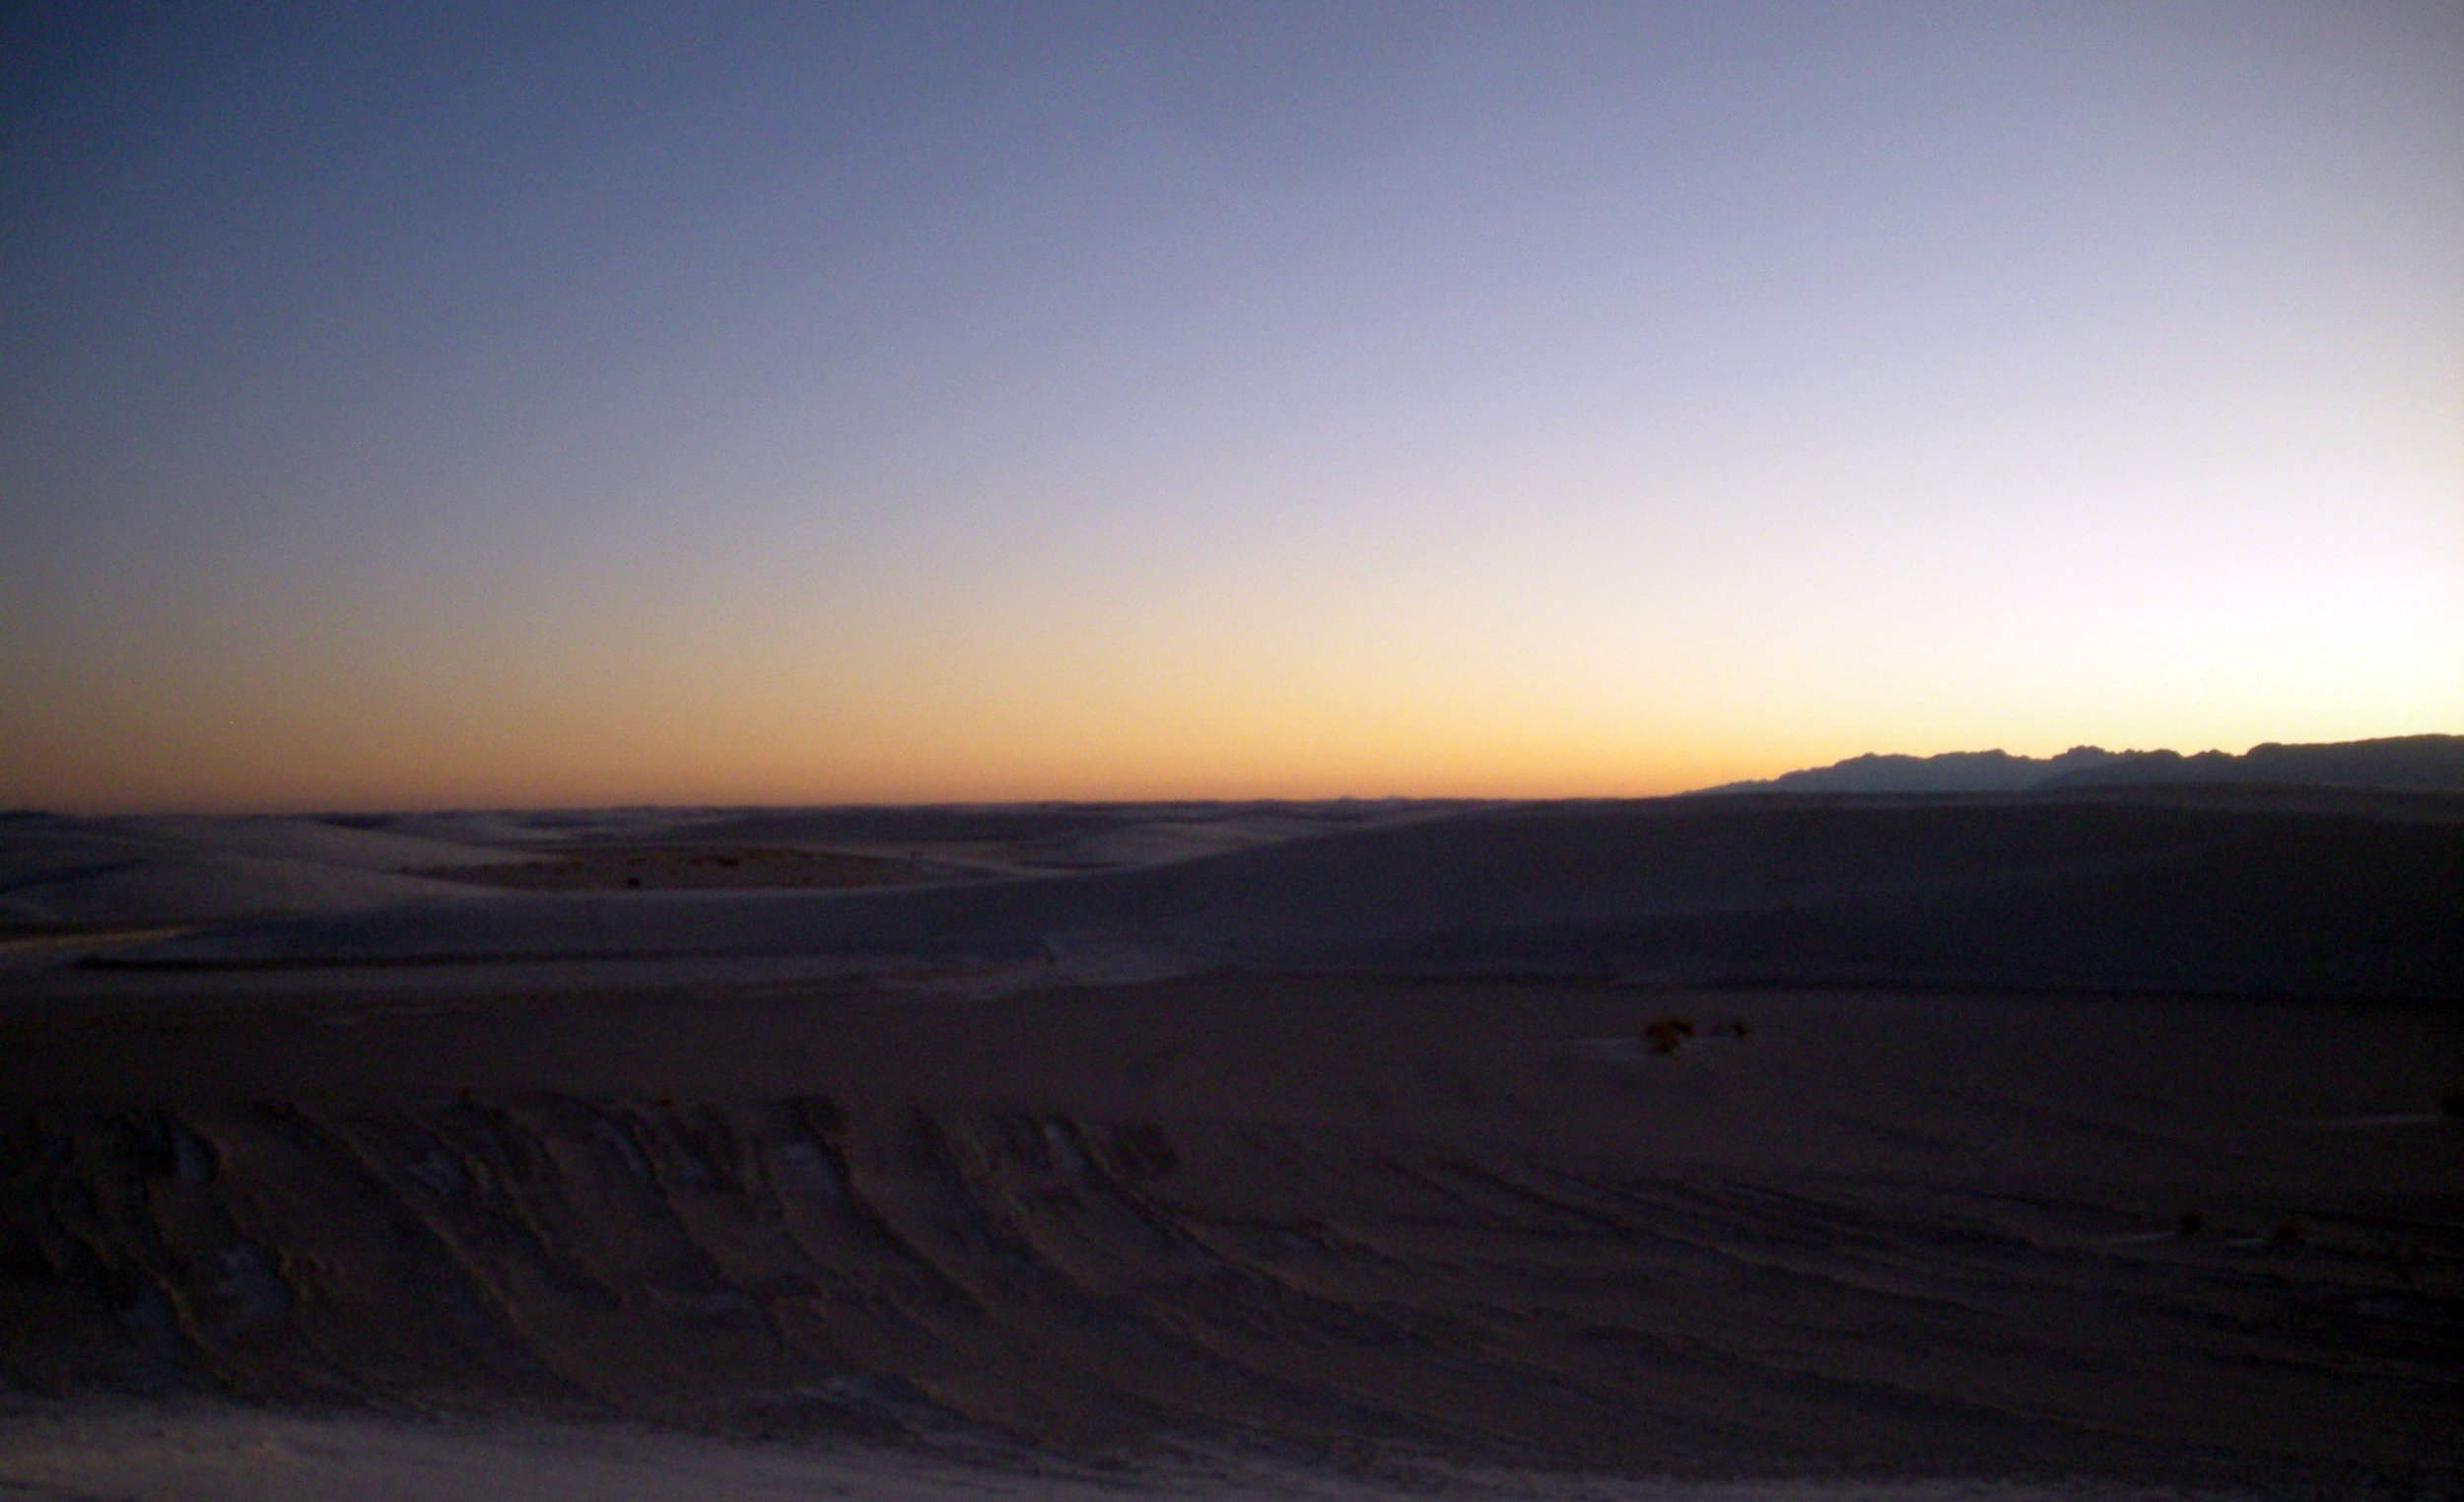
point(1768, 1146)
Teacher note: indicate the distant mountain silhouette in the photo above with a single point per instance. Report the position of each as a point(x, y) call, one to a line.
point(2419, 762)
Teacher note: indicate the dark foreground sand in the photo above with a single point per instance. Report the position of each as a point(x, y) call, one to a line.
point(228, 1454)
point(1882, 1234)
point(799, 1227)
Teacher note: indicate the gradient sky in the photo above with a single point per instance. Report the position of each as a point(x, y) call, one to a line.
point(420, 404)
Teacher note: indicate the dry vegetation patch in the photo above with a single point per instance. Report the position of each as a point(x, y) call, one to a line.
point(667, 867)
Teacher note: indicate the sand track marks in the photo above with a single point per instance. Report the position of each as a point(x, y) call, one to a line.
point(1007, 1277)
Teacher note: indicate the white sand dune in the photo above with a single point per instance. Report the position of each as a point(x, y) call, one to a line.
point(501, 829)
point(130, 873)
point(155, 888)
point(1385, 1153)
point(137, 872)
point(1031, 839)
point(313, 841)
point(2136, 892)
point(1017, 840)
point(1155, 842)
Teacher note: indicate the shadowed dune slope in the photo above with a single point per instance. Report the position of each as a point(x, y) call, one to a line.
point(2243, 893)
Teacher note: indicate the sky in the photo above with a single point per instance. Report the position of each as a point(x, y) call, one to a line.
point(415, 405)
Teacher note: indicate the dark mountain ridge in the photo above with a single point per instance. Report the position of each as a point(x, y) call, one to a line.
point(2432, 762)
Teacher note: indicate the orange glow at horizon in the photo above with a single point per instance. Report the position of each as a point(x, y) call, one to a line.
point(1479, 405)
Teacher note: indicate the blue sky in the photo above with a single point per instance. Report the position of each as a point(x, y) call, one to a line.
point(535, 403)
